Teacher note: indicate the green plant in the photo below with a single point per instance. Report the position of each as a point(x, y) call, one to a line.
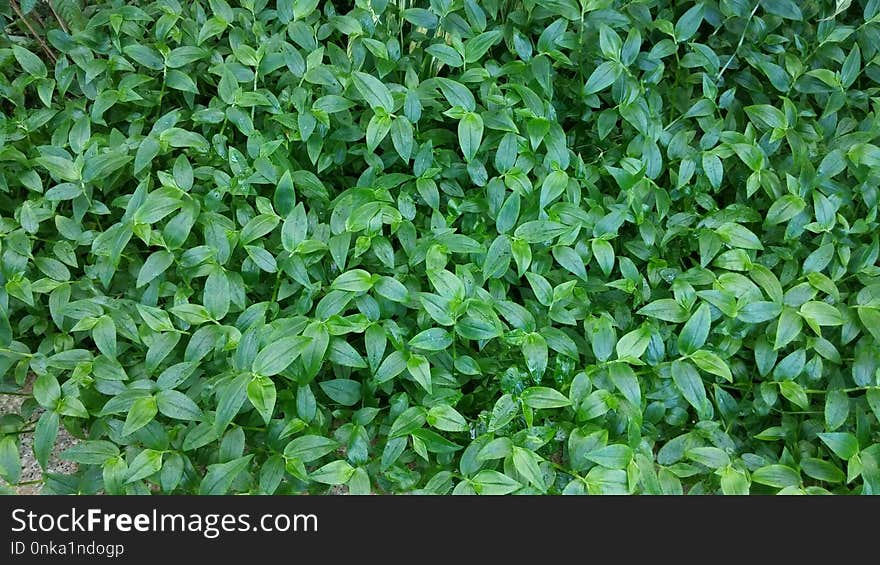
point(448, 246)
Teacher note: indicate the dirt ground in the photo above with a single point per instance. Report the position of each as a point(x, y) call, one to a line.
point(30, 469)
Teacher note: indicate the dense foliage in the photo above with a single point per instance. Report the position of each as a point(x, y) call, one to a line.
point(448, 246)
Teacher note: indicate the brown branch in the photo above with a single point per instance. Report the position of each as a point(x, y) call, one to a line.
point(57, 17)
point(38, 18)
point(36, 36)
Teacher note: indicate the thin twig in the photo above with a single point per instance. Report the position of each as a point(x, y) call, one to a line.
point(38, 18)
point(738, 45)
point(39, 39)
point(57, 17)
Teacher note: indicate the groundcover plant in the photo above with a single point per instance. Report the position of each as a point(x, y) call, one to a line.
point(442, 247)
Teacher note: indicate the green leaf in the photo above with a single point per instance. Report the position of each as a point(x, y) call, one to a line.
point(873, 398)
point(5, 328)
point(457, 94)
point(689, 22)
point(258, 227)
point(114, 473)
point(836, 409)
point(408, 421)
point(309, 448)
point(539, 397)
point(356, 280)
point(147, 463)
point(475, 48)
point(778, 476)
point(713, 168)
point(822, 470)
point(470, 134)
point(783, 8)
point(734, 482)
point(175, 404)
point(45, 435)
point(92, 452)
point(784, 209)
point(445, 54)
point(625, 381)
point(694, 333)
point(141, 413)
point(687, 380)
point(665, 309)
point(570, 260)
point(844, 445)
point(604, 254)
point(757, 312)
point(712, 363)
point(302, 8)
point(420, 369)
point(262, 394)
point(47, 390)
point(633, 344)
point(788, 328)
point(31, 64)
point(602, 77)
point(611, 456)
point(821, 314)
point(217, 295)
point(392, 366)
point(220, 476)
point(497, 258)
point(278, 355)
point(343, 391)
point(314, 350)
point(104, 336)
point(285, 196)
point(103, 165)
point(539, 231)
point(526, 462)
point(60, 167)
point(433, 339)
point(504, 411)
point(711, 457)
point(145, 56)
point(736, 235)
point(535, 351)
point(446, 418)
point(870, 318)
point(156, 264)
point(488, 482)
point(10, 462)
point(795, 393)
point(373, 90)
point(391, 288)
point(766, 116)
point(402, 137)
point(333, 473)
point(230, 398)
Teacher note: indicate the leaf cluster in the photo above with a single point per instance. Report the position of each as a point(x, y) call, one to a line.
point(444, 246)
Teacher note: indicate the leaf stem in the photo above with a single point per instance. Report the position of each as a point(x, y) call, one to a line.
point(36, 36)
point(738, 45)
point(4, 350)
point(847, 390)
point(277, 285)
point(57, 17)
